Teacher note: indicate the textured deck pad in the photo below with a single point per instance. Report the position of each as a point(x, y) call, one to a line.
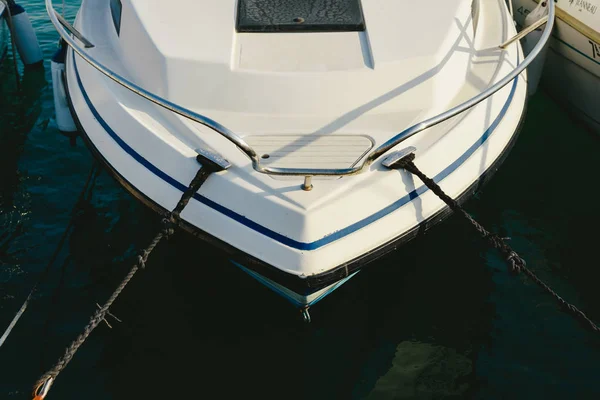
point(300, 16)
point(310, 151)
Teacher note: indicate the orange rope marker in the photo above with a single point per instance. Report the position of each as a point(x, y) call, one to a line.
point(42, 390)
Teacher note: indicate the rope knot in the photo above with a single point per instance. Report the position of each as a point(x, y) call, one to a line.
point(142, 258)
point(405, 162)
point(141, 261)
point(516, 262)
point(169, 225)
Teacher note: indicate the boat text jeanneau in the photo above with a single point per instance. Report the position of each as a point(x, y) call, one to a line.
point(304, 104)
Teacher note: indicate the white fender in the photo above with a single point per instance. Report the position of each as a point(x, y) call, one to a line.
point(25, 38)
point(64, 119)
point(534, 71)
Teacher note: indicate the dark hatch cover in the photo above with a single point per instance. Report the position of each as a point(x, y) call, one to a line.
point(300, 16)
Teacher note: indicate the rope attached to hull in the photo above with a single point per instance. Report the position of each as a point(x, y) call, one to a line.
point(515, 262)
point(43, 385)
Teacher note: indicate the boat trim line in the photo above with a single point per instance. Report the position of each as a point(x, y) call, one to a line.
point(576, 50)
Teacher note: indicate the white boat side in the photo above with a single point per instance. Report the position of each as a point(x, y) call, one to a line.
point(572, 68)
point(299, 96)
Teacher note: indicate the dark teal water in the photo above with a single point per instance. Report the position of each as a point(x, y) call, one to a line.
point(439, 319)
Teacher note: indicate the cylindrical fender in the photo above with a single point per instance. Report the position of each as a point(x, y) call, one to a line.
point(64, 119)
point(25, 38)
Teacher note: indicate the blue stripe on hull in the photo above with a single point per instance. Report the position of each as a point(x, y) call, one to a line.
point(576, 50)
point(275, 235)
point(296, 299)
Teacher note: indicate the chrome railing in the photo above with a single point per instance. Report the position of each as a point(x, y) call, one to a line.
point(64, 28)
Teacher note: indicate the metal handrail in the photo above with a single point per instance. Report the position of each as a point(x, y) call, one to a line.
point(249, 151)
point(525, 32)
point(73, 31)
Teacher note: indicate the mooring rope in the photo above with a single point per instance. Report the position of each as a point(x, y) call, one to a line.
point(88, 184)
point(516, 263)
point(43, 385)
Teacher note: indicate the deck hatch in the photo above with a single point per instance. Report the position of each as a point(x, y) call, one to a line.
point(300, 16)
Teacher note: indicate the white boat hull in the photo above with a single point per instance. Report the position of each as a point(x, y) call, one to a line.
point(306, 242)
point(572, 68)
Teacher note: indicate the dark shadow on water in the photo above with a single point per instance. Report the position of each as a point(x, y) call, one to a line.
point(192, 320)
point(20, 110)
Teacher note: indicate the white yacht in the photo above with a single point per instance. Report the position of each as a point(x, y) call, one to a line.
point(305, 104)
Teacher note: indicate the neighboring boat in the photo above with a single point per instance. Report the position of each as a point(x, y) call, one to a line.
point(316, 97)
point(572, 68)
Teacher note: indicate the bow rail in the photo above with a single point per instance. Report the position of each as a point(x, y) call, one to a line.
point(65, 30)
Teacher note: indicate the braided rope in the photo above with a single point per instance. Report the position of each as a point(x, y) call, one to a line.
point(170, 223)
point(515, 262)
point(98, 316)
